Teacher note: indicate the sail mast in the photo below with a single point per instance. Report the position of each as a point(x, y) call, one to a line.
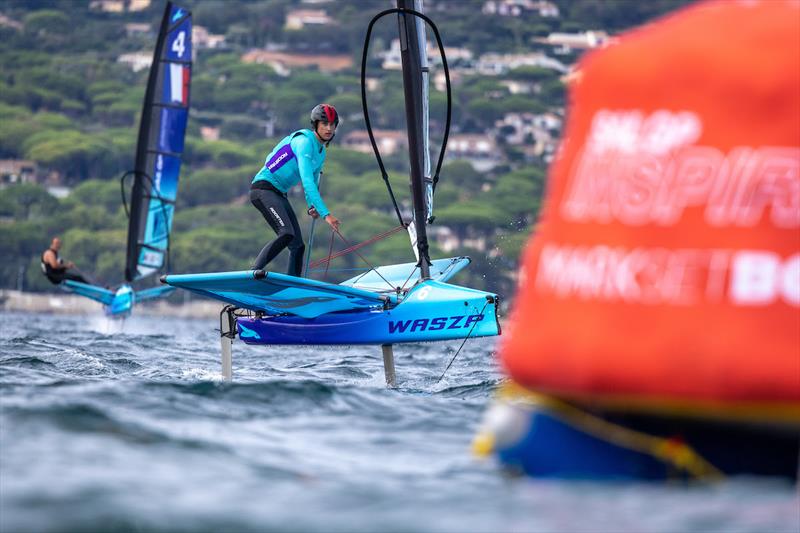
point(414, 56)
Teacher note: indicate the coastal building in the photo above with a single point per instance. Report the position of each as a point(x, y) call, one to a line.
point(14, 171)
point(6, 22)
point(478, 150)
point(519, 87)
point(137, 28)
point(201, 38)
point(455, 55)
point(520, 125)
point(298, 19)
point(388, 141)
point(536, 134)
point(499, 64)
point(516, 8)
point(456, 77)
point(119, 6)
point(108, 6)
point(136, 60)
point(449, 241)
point(209, 133)
point(138, 5)
point(283, 62)
point(565, 43)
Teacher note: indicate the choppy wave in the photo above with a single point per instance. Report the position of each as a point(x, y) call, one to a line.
point(136, 431)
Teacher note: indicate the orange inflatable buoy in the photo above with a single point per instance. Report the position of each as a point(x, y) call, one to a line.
point(666, 266)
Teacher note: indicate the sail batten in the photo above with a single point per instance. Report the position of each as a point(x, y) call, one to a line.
point(160, 146)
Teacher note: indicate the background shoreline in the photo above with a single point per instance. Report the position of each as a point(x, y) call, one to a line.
point(71, 304)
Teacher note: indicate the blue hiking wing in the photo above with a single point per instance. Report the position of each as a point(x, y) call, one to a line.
point(155, 292)
point(278, 294)
point(388, 278)
point(99, 294)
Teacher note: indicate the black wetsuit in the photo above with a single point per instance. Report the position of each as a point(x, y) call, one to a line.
point(278, 213)
point(58, 275)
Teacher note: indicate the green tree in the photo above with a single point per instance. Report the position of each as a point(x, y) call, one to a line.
point(313, 82)
point(47, 21)
point(97, 252)
point(292, 108)
point(349, 107)
point(75, 154)
point(553, 92)
point(20, 242)
point(519, 195)
point(486, 112)
point(530, 73)
point(96, 193)
point(220, 153)
point(214, 185)
point(512, 244)
point(462, 175)
point(351, 162)
point(242, 128)
point(27, 201)
point(471, 215)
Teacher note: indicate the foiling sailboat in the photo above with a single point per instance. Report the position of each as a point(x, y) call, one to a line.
point(411, 302)
point(157, 168)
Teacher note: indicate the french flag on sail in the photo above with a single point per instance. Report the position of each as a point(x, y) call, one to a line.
point(176, 86)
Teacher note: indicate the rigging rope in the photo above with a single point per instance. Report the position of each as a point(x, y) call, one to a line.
point(488, 301)
point(354, 247)
point(409, 276)
point(311, 231)
point(328, 263)
point(367, 122)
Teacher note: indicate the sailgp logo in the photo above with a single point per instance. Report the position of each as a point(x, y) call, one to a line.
point(433, 324)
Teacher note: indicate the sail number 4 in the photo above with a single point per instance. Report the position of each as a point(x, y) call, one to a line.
point(179, 44)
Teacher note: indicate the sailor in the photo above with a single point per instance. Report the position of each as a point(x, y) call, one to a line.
point(297, 158)
point(56, 269)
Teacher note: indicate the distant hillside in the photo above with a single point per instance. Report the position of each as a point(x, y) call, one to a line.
point(72, 80)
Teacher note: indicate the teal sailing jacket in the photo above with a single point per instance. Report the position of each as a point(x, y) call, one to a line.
point(298, 157)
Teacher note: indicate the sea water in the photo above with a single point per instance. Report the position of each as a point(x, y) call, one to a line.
point(130, 427)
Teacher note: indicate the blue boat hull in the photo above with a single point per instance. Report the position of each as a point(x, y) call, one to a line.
point(431, 311)
point(554, 449)
point(553, 440)
point(122, 304)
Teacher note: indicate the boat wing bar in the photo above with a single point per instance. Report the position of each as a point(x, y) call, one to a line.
point(277, 294)
point(406, 275)
point(153, 293)
point(98, 294)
